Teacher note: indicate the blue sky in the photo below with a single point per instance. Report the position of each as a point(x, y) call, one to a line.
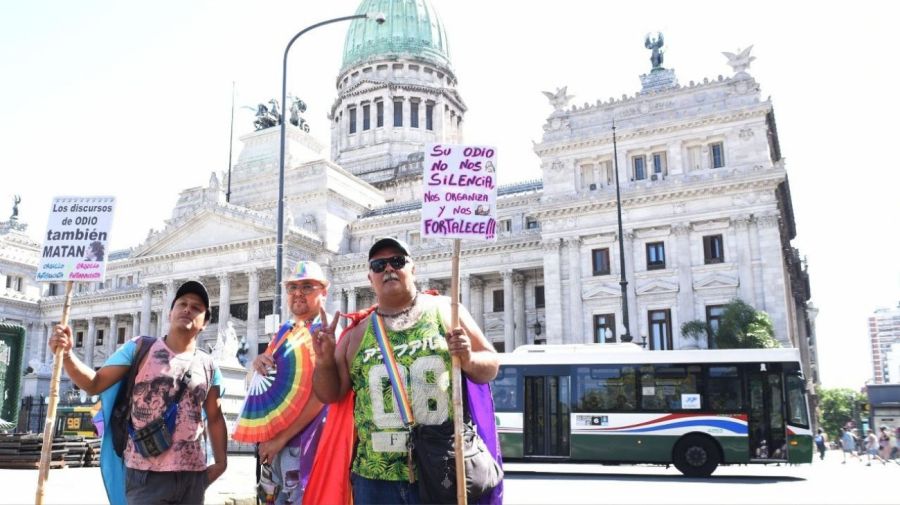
point(133, 100)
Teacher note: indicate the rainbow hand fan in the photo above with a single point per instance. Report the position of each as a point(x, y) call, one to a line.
point(275, 400)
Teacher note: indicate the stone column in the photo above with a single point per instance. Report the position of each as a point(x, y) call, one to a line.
point(508, 322)
point(113, 338)
point(224, 299)
point(351, 300)
point(45, 351)
point(743, 256)
point(519, 308)
point(685, 295)
point(464, 287)
point(476, 285)
point(577, 335)
point(168, 294)
point(146, 308)
point(637, 326)
point(252, 314)
point(131, 328)
point(776, 296)
point(552, 292)
point(89, 339)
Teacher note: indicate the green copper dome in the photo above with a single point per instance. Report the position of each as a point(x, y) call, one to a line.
point(412, 28)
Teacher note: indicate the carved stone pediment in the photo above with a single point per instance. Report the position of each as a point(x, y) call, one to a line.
point(656, 286)
point(716, 280)
point(605, 290)
point(207, 229)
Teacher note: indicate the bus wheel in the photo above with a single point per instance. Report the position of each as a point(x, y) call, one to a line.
point(696, 456)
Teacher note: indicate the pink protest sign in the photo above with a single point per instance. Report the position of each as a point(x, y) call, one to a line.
point(75, 245)
point(460, 192)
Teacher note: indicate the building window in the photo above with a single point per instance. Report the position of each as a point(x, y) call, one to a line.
point(539, 297)
point(266, 307)
point(352, 116)
point(415, 238)
point(717, 155)
point(239, 311)
point(588, 177)
point(429, 113)
point(120, 335)
point(694, 158)
point(498, 300)
point(379, 114)
point(660, 322)
point(604, 328)
point(713, 251)
point(398, 112)
point(600, 261)
point(656, 255)
point(659, 163)
point(505, 225)
point(638, 163)
point(414, 114)
point(79, 339)
point(52, 289)
point(531, 223)
point(366, 120)
point(99, 337)
point(214, 314)
point(713, 319)
point(14, 282)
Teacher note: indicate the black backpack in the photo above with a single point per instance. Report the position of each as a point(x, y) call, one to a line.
point(121, 411)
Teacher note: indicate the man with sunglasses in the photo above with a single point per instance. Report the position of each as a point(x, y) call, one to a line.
point(418, 327)
point(307, 290)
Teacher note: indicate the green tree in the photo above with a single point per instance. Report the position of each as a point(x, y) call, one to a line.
point(836, 408)
point(696, 330)
point(743, 327)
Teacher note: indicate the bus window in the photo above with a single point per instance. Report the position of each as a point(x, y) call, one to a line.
point(723, 386)
point(505, 388)
point(797, 414)
point(666, 387)
point(604, 388)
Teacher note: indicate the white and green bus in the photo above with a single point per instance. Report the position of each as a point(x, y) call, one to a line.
point(620, 404)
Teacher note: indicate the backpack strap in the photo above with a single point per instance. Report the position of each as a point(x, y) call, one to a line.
point(142, 347)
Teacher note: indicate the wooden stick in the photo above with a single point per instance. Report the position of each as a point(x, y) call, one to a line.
point(53, 399)
point(457, 381)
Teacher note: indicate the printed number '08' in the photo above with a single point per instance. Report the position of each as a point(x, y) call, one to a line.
point(419, 389)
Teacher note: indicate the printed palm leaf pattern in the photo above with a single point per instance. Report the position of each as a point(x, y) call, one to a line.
point(390, 465)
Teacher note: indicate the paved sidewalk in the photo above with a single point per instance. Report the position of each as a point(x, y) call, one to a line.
point(85, 486)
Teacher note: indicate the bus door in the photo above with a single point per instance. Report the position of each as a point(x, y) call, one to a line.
point(766, 415)
point(546, 420)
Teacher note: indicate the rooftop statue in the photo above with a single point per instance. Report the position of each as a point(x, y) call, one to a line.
point(740, 62)
point(558, 100)
point(654, 42)
point(15, 212)
point(266, 117)
point(298, 106)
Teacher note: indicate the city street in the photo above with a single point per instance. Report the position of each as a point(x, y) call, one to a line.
point(827, 482)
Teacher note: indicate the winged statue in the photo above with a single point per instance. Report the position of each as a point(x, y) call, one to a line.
point(560, 99)
point(740, 62)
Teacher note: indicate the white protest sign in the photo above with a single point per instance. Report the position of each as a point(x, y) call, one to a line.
point(460, 193)
point(75, 244)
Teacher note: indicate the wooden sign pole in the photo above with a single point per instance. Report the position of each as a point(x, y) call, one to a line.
point(457, 381)
point(53, 399)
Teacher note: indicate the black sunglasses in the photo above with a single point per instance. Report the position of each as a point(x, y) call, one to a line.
point(397, 263)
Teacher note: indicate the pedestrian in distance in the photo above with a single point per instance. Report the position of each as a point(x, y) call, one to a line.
point(288, 457)
point(848, 445)
point(871, 447)
point(165, 458)
point(820, 440)
point(417, 325)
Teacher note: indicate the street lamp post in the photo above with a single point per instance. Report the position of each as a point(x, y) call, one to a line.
point(279, 245)
point(623, 282)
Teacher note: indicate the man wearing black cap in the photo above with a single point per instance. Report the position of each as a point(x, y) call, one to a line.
point(165, 462)
point(418, 327)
